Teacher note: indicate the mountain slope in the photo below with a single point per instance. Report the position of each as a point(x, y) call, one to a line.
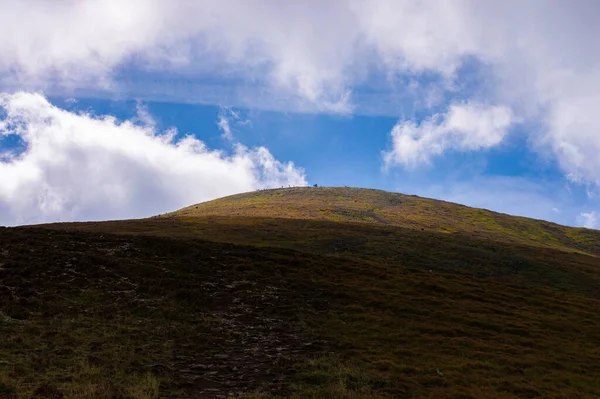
point(288, 293)
point(342, 204)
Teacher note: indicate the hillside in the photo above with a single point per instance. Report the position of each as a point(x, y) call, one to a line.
point(355, 205)
point(303, 293)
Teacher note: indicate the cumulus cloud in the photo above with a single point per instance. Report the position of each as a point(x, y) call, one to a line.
point(84, 43)
point(464, 127)
point(590, 220)
point(541, 57)
point(75, 166)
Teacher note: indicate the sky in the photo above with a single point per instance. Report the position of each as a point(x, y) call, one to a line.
point(113, 109)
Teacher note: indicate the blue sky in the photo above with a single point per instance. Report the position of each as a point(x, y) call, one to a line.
point(138, 108)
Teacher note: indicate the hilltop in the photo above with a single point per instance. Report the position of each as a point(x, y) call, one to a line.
point(304, 293)
point(358, 205)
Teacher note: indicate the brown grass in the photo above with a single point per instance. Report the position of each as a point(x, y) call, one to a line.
point(499, 309)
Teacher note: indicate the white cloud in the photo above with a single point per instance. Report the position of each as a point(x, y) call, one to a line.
point(541, 56)
point(464, 127)
point(84, 43)
point(574, 135)
point(416, 35)
point(590, 220)
point(310, 53)
point(228, 117)
point(82, 167)
point(223, 124)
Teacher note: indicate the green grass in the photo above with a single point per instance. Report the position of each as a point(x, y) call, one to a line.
point(432, 301)
point(355, 205)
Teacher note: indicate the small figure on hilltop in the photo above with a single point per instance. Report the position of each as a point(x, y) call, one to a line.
point(314, 185)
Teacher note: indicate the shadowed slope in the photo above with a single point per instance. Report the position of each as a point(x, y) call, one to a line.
point(412, 313)
point(304, 293)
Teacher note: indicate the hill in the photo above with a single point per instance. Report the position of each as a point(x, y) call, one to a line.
point(356, 205)
point(305, 293)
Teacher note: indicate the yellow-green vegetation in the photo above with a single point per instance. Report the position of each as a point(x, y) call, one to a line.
point(357, 205)
point(301, 293)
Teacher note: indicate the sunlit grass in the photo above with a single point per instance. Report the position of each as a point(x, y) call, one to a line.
point(380, 207)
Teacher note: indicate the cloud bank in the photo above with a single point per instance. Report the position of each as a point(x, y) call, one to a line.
point(540, 58)
point(536, 62)
point(75, 166)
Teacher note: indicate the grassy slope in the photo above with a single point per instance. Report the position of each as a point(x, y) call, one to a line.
point(403, 312)
point(93, 315)
point(380, 207)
